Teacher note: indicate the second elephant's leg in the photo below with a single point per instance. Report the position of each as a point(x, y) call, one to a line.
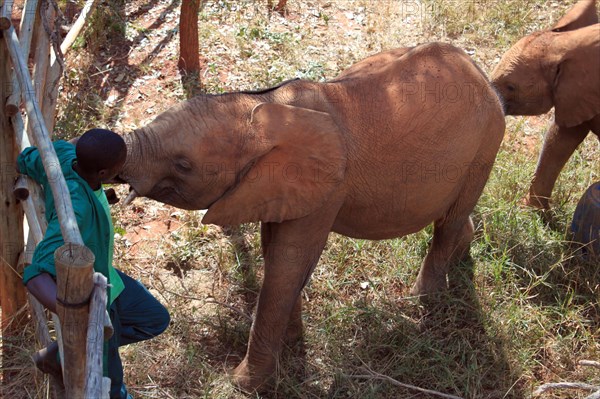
point(559, 145)
point(292, 249)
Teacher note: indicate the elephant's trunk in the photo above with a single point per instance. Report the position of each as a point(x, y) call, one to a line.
point(140, 145)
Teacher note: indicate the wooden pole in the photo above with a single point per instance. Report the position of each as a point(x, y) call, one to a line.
point(55, 70)
point(74, 275)
point(62, 198)
point(95, 339)
point(41, 57)
point(87, 10)
point(25, 35)
point(12, 292)
point(74, 262)
point(22, 193)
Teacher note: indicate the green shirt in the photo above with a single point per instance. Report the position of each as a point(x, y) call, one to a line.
point(91, 211)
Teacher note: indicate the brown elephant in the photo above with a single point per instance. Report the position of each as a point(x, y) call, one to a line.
point(399, 140)
point(557, 67)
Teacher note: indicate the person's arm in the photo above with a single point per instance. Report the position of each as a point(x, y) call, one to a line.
point(29, 162)
point(111, 196)
point(43, 287)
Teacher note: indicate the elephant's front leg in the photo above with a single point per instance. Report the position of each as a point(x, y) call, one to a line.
point(559, 145)
point(291, 250)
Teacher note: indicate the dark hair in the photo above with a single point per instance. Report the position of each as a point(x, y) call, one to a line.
point(99, 149)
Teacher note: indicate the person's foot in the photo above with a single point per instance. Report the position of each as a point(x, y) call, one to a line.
point(46, 360)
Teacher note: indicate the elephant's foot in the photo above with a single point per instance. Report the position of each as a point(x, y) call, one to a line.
point(450, 245)
point(294, 332)
point(537, 201)
point(251, 379)
point(428, 283)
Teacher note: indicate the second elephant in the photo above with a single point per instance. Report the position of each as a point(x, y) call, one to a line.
point(558, 67)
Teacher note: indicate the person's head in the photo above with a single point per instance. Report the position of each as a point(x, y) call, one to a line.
point(101, 153)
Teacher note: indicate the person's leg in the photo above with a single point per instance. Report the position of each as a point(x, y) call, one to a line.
point(141, 315)
point(136, 316)
point(48, 362)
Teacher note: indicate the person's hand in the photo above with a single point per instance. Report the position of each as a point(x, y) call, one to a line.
point(111, 196)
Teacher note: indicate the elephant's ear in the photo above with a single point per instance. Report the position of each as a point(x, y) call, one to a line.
point(300, 160)
point(582, 14)
point(576, 88)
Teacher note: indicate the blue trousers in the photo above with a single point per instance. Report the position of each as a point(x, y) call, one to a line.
point(136, 316)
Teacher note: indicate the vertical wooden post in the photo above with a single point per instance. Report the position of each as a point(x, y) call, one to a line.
point(74, 275)
point(12, 292)
point(25, 36)
point(95, 340)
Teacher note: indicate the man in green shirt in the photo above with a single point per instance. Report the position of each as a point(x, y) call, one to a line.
point(135, 314)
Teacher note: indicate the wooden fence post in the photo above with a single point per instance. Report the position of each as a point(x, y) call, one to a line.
point(12, 292)
point(74, 275)
point(74, 262)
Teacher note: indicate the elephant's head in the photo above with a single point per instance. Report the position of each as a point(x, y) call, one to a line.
point(556, 67)
point(241, 159)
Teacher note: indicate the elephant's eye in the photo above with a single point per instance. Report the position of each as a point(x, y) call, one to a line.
point(510, 87)
point(183, 165)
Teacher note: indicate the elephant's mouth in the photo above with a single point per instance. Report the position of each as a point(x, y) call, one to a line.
point(170, 195)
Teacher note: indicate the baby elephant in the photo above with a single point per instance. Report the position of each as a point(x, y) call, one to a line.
point(558, 67)
point(398, 141)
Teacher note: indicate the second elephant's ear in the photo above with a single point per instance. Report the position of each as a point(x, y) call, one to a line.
point(576, 88)
point(582, 14)
point(300, 160)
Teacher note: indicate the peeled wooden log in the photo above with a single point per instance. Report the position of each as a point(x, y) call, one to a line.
point(75, 283)
point(62, 198)
point(54, 71)
point(21, 189)
point(25, 35)
point(95, 338)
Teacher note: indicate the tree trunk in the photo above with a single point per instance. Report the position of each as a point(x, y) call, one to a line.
point(189, 47)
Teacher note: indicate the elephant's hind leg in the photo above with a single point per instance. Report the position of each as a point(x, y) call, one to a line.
point(453, 233)
point(451, 242)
